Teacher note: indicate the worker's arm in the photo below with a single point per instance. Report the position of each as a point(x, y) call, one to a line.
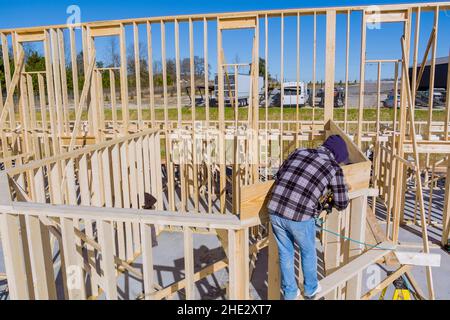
point(340, 190)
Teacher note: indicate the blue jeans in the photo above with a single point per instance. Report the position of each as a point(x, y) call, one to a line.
point(303, 233)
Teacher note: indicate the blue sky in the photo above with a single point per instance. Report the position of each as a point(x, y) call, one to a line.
point(384, 43)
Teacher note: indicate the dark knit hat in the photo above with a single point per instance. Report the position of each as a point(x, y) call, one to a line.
point(337, 147)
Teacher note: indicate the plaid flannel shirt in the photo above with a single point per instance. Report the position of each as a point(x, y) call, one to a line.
point(303, 178)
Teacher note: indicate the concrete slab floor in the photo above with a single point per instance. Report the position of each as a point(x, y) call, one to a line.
point(169, 262)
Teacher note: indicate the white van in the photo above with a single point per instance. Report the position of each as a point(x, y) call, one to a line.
point(290, 94)
point(243, 88)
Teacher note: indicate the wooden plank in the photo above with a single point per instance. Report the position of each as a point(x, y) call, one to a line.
point(12, 86)
point(425, 57)
point(40, 250)
point(382, 17)
point(254, 152)
point(297, 79)
point(100, 107)
point(274, 275)
point(206, 66)
point(446, 211)
point(106, 241)
point(177, 70)
point(83, 99)
point(237, 23)
point(76, 153)
point(74, 66)
point(107, 31)
point(97, 191)
point(417, 168)
point(147, 260)
point(132, 174)
point(238, 264)
point(7, 74)
point(72, 198)
point(332, 248)
point(57, 83)
point(104, 228)
point(1, 96)
point(133, 180)
point(362, 79)
point(74, 271)
point(106, 177)
point(330, 64)
point(14, 257)
point(418, 258)
point(85, 200)
point(254, 200)
point(427, 147)
point(126, 197)
point(117, 186)
point(158, 217)
point(221, 104)
point(5, 55)
point(378, 114)
point(137, 66)
point(313, 100)
point(140, 172)
point(150, 73)
point(62, 65)
point(12, 249)
point(24, 114)
point(189, 264)
point(66, 242)
point(347, 51)
point(432, 76)
point(169, 159)
point(282, 83)
point(447, 106)
point(194, 145)
point(123, 79)
point(32, 117)
point(112, 84)
point(30, 36)
point(146, 166)
point(157, 168)
point(416, 52)
point(348, 271)
point(357, 232)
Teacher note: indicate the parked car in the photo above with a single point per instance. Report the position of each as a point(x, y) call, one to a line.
point(438, 98)
point(339, 97)
point(389, 102)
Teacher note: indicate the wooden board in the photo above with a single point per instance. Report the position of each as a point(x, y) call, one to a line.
point(254, 199)
point(419, 258)
point(351, 269)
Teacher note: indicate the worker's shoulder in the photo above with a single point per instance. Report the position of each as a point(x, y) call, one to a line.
point(328, 160)
point(305, 152)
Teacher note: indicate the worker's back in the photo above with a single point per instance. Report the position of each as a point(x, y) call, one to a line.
point(303, 178)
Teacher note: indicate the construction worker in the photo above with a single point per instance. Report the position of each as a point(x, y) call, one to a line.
point(305, 177)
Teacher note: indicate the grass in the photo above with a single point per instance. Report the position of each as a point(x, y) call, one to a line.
point(274, 113)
